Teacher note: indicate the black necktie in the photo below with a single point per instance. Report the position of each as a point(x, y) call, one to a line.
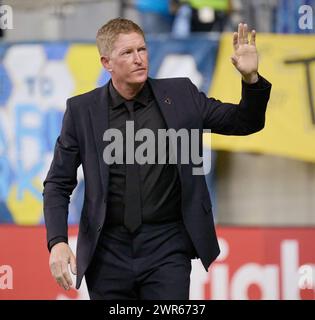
point(132, 215)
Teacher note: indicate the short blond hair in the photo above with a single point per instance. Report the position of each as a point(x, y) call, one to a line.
point(108, 33)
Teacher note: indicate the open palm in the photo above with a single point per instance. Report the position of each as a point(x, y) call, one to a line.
point(245, 57)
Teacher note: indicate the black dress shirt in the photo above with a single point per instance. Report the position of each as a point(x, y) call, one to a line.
point(160, 186)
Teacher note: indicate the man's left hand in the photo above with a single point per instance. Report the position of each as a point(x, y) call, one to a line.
point(245, 57)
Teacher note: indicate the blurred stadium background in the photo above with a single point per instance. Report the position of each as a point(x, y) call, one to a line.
point(262, 186)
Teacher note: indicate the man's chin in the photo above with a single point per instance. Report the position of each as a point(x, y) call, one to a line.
point(139, 79)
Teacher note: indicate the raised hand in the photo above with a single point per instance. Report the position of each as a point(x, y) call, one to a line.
point(245, 57)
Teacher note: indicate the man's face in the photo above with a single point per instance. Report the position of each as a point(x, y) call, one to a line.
point(128, 61)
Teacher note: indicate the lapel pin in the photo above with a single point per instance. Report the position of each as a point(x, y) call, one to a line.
point(168, 101)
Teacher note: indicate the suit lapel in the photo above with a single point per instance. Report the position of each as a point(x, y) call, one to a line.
point(99, 114)
point(165, 103)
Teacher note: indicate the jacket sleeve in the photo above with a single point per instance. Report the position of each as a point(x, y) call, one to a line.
point(235, 119)
point(61, 180)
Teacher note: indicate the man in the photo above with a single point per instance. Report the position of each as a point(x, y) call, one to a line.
point(141, 224)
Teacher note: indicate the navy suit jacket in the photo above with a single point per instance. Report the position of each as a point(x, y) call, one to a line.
point(81, 142)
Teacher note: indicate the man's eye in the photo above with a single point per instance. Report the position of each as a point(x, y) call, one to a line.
point(142, 49)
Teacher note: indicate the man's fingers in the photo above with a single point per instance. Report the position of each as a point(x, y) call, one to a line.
point(66, 275)
point(240, 33)
point(60, 273)
point(241, 36)
point(73, 265)
point(245, 33)
point(235, 40)
point(59, 276)
point(253, 38)
point(234, 60)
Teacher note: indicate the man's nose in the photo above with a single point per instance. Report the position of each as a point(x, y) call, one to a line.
point(137, 58)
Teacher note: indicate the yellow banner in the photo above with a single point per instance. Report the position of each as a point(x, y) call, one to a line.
point(288, 62)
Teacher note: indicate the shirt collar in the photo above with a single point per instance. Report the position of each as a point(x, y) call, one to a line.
point(143, 97)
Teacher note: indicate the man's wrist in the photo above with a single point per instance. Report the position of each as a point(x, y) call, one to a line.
point(56, 240)
point(251, 78)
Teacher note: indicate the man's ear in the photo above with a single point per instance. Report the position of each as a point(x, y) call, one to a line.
point(106, 63)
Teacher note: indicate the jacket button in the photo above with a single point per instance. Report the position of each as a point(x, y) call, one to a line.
point(99, 228)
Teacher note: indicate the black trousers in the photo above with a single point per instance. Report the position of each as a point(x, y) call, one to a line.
point(152, 264)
